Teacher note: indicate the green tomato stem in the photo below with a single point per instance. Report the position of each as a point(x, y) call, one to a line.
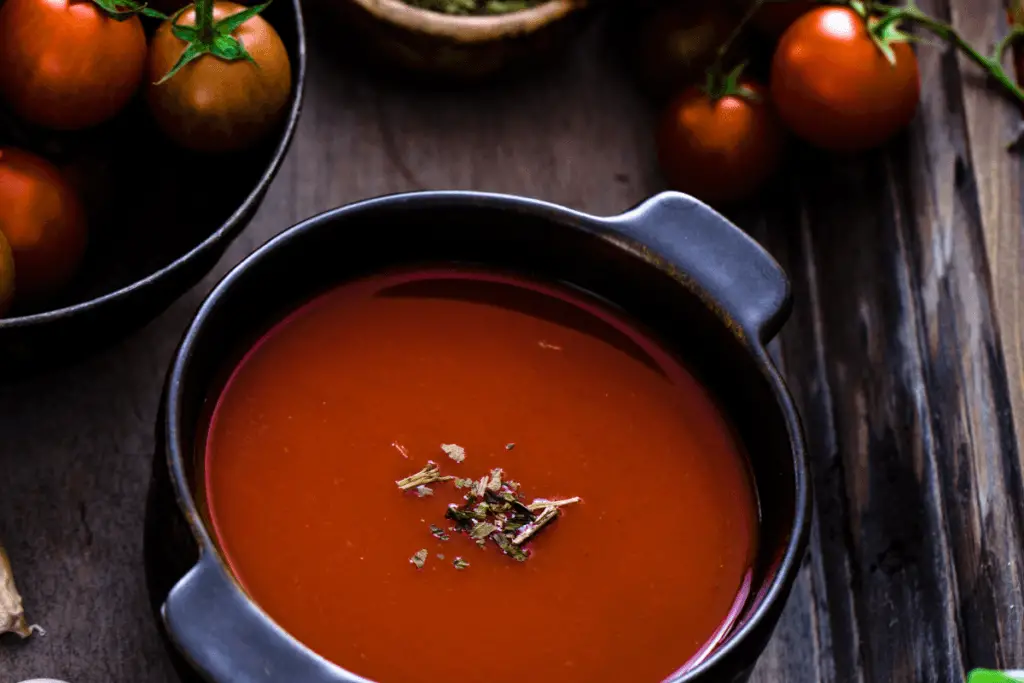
point(755, 6)
point(204, 20)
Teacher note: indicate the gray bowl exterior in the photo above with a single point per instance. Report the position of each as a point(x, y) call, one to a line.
point(674, 264)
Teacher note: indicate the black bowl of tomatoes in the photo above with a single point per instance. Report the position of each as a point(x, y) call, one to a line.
point(136, 142)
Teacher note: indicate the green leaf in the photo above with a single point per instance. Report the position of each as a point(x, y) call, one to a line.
point(187, 33)
point(193, 52)
point(227, 25)
point(111, 8)
point(229, 48)
point(987, 676)
point(147, 11)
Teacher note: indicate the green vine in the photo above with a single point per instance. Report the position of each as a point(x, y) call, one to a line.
point(720, 83)
point(122, 10)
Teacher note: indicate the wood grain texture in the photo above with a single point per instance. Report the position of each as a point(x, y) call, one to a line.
point(904, 352)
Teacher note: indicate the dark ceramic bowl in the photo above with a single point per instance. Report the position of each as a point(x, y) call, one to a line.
point(153, 234)
point(703, 286)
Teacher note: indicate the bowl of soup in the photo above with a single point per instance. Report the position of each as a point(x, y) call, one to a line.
point(449, 436)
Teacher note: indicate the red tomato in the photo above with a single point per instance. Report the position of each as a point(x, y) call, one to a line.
point(6, 275)
point(215, 105)
point(834, 88)
point(43, 220)
point(775, 17)
point(66, 64)
point(719, 151)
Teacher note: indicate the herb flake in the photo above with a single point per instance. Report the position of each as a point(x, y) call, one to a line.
point(419, 558)
point(460, 563)
point(454, 451)
point(428, 475)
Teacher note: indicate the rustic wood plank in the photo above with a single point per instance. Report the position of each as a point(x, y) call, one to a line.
point(967, 353)
point(990, 122)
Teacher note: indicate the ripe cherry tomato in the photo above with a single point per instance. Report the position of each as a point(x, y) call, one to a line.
point(6, 275)
point(214, 105)
point(43, 220)
point(674, 43)
point(66, 63)
point(833, 86)
point(720, 151)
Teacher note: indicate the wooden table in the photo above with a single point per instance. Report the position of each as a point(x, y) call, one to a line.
point(905, 353)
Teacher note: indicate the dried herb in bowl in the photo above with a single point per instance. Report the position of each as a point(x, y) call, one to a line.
point(475, 7)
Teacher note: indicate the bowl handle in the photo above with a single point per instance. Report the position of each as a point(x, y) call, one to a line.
point(728, 267)
point(227, 639)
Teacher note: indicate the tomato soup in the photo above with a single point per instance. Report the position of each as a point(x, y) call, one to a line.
point(376, 379)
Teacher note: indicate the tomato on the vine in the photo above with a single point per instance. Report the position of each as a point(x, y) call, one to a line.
point(215, 105)
point(720, 149)
point(67, 64)
point(834, 86)
point(6, 275)
point(43, 220)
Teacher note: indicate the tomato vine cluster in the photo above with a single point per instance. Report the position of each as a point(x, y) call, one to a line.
point(842, 76)
point(215, 77)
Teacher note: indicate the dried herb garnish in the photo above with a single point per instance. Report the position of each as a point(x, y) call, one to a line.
point(460, 563)
point(509, 446)
point(474, 6)
point(424, 491)
point(491, 511)
point(419, 559)
point(428, 475)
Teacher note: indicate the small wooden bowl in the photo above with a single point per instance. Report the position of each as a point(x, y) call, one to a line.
point(460, 47)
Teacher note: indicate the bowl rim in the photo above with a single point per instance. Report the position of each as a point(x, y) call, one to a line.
point(789, 555)
point(469, 29)
point(225, 232)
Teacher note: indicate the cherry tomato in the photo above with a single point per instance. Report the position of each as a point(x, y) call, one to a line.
point(775, 17)
point(214, 105)
point(720, 151)
point(833, 86)
point(43, 220)
point(66, 63)
point(6, 275)
point(675, 42)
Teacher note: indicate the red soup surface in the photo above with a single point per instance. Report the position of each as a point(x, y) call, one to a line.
point(363, 386)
